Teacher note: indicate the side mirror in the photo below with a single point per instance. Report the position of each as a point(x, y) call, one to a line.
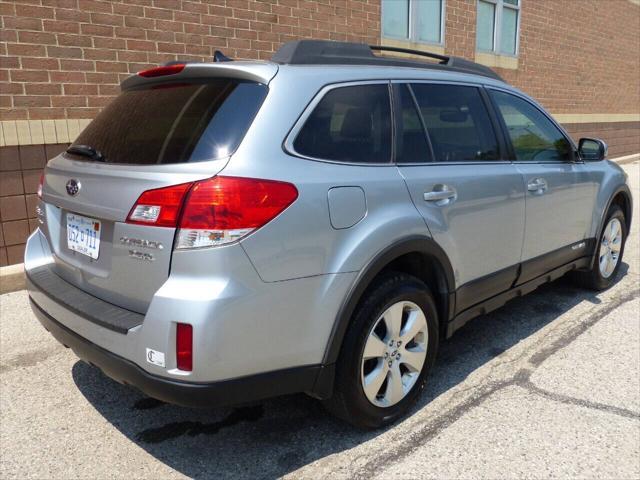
point(592, 149)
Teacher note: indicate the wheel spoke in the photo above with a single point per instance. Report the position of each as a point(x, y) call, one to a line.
point(413, 358)
point(607, 232)
point(395, 389)
point(393, 319)
point(416, 322)
point(374, 380)
point(374, 347)
point(616, 244)
point(615, 228)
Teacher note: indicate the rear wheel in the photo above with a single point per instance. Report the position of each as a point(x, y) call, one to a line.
point(609, 252)
point(387, 353)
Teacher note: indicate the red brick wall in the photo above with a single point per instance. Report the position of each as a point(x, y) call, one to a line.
point(66, 58)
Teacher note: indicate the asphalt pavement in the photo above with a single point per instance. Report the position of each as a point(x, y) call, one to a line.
point(546, 387)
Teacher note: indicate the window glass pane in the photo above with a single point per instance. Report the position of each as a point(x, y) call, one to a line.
point(457, 123)
point(395, 18)
point(486, 20)
point(509, 24)
point(511, 2)
point(534, 137)
point(428, 22)
point(350, 124)
point(412, 143)
point(185, 122)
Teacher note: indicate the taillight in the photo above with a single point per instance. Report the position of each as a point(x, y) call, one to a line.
point(159, 207)
point(184, 347)
point(222, 210)
point(40, 185)
point(162, 71)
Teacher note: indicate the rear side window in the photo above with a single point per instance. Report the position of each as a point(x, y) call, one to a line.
point(175, 123)
point(457, 122)
point(533, 136)
point(350, 124)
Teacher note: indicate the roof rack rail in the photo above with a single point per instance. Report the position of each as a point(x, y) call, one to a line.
point(421, 53)
point(326, 52)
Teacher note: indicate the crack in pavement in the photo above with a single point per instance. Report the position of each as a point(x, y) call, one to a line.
point(521, 378)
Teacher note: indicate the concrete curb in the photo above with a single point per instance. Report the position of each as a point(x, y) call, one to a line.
point(12, 277)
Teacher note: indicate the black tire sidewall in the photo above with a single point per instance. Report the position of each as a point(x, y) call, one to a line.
point(393, 289)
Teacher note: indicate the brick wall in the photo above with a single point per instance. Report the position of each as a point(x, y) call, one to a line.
point(20, 169)
point(64, 59)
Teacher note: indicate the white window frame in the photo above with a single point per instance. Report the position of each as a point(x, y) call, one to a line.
point(413, 27)
point(500, 5)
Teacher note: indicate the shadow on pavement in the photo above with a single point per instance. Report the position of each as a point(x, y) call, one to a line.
point(281, 435)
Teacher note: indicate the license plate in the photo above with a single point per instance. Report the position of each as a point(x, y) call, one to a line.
point(83, 235)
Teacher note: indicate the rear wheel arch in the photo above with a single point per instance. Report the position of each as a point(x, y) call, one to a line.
point(418, 256)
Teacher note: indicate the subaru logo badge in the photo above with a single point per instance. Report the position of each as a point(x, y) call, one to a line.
point(73, 187)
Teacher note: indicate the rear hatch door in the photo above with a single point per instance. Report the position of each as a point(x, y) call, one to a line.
point(151, 136)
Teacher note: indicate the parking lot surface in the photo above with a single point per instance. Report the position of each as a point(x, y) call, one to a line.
point(547, 386)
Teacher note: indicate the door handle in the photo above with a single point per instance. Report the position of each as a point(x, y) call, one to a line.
point(537, 185)
point(441, 195)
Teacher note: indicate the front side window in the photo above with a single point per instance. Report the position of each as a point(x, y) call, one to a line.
point(413, 20)
point(497, 26)
point(350, 124)
point(457, 122)
point(533, 136)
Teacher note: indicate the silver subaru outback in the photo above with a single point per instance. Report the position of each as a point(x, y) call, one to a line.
point(229, 231)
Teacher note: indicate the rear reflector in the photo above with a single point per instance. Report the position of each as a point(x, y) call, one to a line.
point(222, 210)
point(159, 207)
point(162, 71)
point(184, 347)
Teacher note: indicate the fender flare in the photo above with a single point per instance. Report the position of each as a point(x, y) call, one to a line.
point(624, 189)
point(414, 244)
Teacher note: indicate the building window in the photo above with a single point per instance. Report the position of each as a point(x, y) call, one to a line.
point(498, 22)
point(419, 21)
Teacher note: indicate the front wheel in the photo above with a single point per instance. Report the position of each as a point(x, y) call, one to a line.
point(387, 352)
point(609, 252)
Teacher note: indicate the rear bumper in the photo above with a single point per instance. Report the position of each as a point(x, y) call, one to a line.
point(189, 394)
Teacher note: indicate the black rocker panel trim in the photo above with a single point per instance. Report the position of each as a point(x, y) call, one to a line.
point(537, 266)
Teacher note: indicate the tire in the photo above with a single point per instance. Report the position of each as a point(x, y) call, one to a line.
point(599, 278)
point(409, 297)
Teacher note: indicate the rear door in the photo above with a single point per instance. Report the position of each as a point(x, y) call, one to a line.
point(472, 198)
point(560, 193)
point(147, 138)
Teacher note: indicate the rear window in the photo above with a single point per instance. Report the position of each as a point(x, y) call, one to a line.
point(175, 123)
point(350, 124)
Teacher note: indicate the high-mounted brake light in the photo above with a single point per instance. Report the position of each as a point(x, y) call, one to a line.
point(184, 347)
point(40, 185)
point(222, 210)
point(159, 207)
point(215, 211)
point(162, 71)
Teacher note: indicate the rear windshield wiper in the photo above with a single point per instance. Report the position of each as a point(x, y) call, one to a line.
point(86, 151)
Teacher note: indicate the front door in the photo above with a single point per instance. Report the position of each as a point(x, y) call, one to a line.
point(560, 193)
point(471, 199)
